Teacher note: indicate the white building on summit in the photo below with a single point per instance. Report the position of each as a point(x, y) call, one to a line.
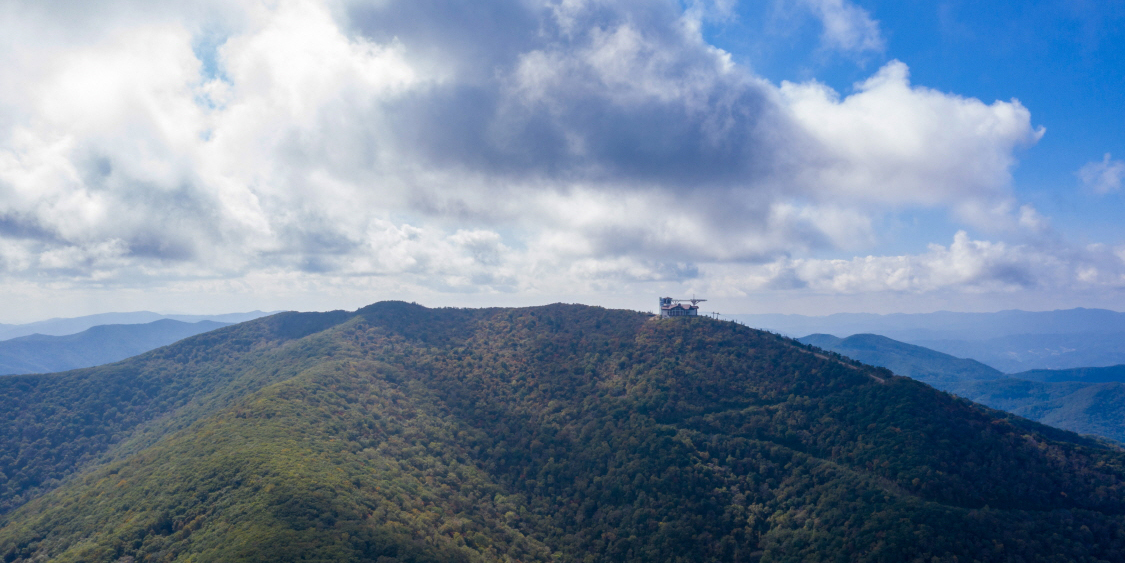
point(679, 307)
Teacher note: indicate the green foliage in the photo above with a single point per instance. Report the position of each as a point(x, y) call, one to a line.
point(1087, 400)
point(52, 425)
point(558, 433)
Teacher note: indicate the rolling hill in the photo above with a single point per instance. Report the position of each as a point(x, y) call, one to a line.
point(94, 346)
point(933, 367)
point(1088, 401)
point(561, 433)
point(74, 325)
point(1026, 352)
point(945, 325)
point(1085, 375)
point(1009, 341)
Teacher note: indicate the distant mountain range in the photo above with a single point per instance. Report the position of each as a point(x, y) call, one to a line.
point(1010, 341)
point(1023, 352)
point(936, 368)
point(62, 327)
point(1085, 400)
point(98, 345)
point(1083, 375)
point(944, 325)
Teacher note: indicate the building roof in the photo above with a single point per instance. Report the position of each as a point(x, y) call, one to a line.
point(681, 306)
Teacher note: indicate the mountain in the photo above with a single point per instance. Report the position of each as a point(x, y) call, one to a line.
point(561, 433)
point(935, 368)
point(1024, 352)
point(1085, 375)
point(1086, 408)
point(945, 325)
point(94, 346)
point(63, 327)
point(1010, 341)
point(1088, 401)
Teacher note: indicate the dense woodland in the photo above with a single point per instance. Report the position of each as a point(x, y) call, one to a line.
point(1086, 400)
point(560, 433)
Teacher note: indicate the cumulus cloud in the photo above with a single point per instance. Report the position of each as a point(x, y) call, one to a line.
point(1104, 176)
point(964, 265)
point(894, 143)
point(456, 146)
point(847, 27)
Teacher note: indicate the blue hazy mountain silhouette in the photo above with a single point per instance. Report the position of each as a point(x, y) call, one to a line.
point(1010, 341)
point(74, 325)
point(39, 353)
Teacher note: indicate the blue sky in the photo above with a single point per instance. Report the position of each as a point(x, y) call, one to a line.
point(810, 156)
point(1062, 59)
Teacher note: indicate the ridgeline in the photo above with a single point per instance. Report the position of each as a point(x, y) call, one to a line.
point(1085, 400)
point(561, 433)
point(95, 346)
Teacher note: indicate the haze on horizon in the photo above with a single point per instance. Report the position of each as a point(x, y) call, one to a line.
point(809, 157)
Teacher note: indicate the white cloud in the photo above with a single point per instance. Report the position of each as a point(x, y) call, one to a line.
point(891, 143)
point(847, 27)
point(1105, 176)
point(540, 147)
point(966, 265)
point(1031, 220)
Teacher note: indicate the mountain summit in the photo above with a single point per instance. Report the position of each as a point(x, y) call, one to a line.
point(399, 433)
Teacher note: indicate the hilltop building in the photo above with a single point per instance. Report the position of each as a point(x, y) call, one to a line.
point(679, 307)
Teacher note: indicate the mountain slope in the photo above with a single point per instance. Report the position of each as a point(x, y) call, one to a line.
point(1010, 341)
point(1087, 408)
point(1064, 399)
point(935, 368)
point(95, 346)
point(1085, 375)
point(54, 425)
point(1023, 352)
point(561, 433)
point(946, 325)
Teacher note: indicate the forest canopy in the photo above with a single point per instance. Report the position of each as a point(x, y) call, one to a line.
point(564, 433)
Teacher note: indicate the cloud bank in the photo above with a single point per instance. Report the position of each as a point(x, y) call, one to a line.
point(965, 265)
point(510, 146)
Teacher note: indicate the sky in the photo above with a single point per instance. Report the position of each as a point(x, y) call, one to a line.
point(801, 156)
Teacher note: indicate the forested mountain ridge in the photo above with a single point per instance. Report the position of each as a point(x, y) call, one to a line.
point(1010, 341)
point(918, 362)
point(941, 325)
point(562, 433)
point(1088, 401)
point(98, 345)
point(1108, 374)
point(52, 425)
